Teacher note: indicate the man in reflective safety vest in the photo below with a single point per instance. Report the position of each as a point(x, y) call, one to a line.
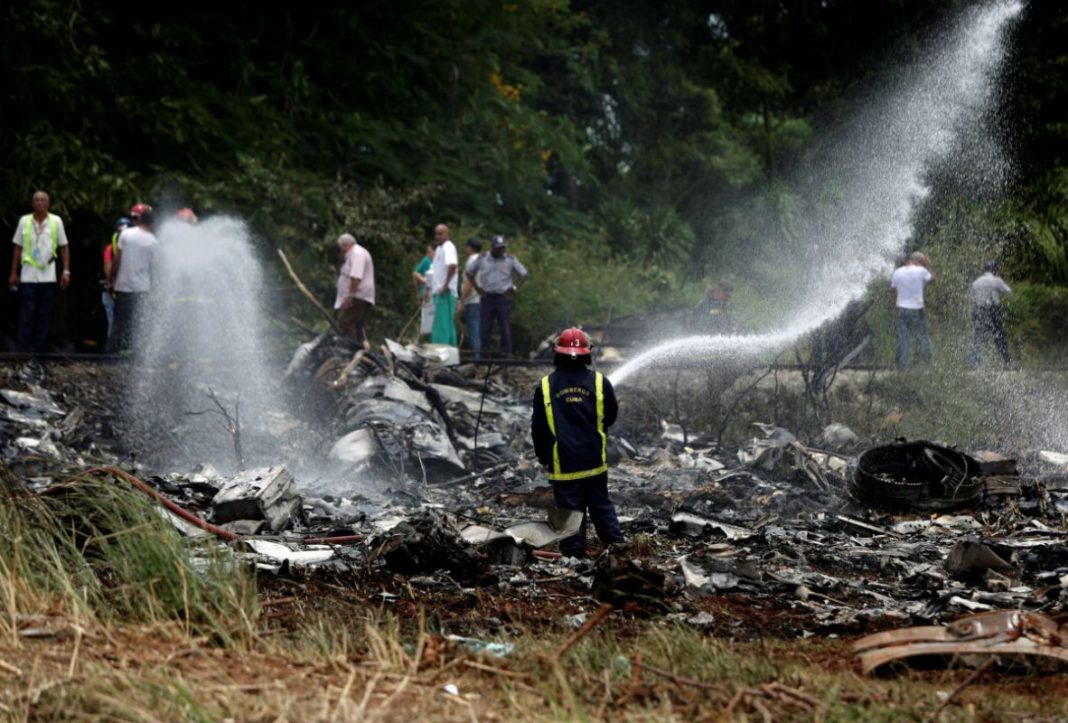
point(573, 408)
point(39, 239)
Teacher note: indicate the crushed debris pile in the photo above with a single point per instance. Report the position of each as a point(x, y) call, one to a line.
point(427, 473)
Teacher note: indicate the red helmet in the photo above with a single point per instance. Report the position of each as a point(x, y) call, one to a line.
point(187, 215)
point(573, 342)
point(139, 209)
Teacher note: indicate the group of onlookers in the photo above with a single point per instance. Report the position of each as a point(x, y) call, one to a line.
point(40, 241)
point(482, 292)
point(908, 282)
point(483, 298)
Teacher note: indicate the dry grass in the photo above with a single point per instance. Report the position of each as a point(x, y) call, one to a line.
point(160, 673)
point(104, 617)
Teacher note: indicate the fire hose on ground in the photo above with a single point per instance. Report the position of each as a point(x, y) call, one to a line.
point(183, 513)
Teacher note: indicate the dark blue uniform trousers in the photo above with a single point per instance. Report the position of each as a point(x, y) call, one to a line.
point(35, 313)
point(496, 307)
point(589, 496)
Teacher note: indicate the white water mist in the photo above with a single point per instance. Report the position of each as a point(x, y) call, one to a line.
point(877, 175)
point(202, 335)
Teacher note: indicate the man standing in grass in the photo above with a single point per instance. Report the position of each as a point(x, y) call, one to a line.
point(470, 301)
point(908, 283)
point(492, 276)
point(39, 239)
point(444, 288)
point(420, 280)
point(987, 318)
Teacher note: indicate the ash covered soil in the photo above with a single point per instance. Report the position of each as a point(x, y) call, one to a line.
point(432, 488)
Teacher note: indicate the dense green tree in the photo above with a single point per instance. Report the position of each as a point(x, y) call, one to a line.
point(649, 138)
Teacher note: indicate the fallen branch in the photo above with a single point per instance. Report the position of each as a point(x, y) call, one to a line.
point(311, 297)
point(967, 681)
point(600, 614)
point(232, 424)
point(774, 691)
point(786, 692)
point(496, 671)
point(680, 679)
point(734, 405)
point(404, 330)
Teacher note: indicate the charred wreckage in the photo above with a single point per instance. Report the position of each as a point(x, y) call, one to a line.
point(431, 476)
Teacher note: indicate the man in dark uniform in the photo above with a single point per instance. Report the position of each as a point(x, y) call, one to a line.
point(573, 407)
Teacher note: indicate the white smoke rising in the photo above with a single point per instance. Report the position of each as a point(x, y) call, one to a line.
point(878, 173)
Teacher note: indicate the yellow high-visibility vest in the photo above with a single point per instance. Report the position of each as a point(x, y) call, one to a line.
point(557, 473)
point(27, 252)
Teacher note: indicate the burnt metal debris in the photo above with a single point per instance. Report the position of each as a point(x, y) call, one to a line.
point(917, 475)
point(423, 469)
point(1006, 636)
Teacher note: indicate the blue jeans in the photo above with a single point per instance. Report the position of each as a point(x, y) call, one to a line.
point(108, 302)
point(473, 325)
point(129, 307)
point(35, 313)
point(912, 326)
point(590, 497)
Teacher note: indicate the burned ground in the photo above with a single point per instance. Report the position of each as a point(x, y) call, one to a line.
point(751, 547)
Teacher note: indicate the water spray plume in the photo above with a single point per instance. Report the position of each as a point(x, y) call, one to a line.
point(200, 344)
point(876, 175)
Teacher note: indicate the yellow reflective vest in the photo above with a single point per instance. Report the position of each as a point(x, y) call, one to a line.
point(28, 247)
point(572, 423)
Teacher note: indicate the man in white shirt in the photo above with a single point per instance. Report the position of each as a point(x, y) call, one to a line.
point(470, 302)
point(908, 283)
point(443, 287)
point(355, 298)
point(131, 276)
point(987, 291)
point(39, 238)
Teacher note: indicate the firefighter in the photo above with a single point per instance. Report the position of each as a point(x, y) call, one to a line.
point(187, 215)
point(573, 407)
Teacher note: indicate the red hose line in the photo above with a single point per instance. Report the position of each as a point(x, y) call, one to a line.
point(189, 516)
point(180, 511)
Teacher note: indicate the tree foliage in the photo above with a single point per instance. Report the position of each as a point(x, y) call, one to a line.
point(641, 138)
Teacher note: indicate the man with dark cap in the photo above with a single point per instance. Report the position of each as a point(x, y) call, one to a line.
point(573, 408)
point(987, 318)
point(491, 276)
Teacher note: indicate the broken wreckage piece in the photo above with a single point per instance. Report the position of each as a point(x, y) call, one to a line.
point(1012, 633)
point(919, 475)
